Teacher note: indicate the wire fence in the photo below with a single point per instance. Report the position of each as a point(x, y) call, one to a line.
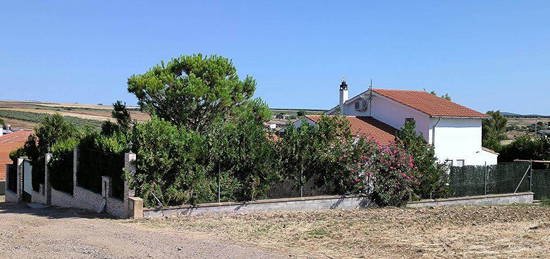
point(494, 179)
point(541, 183)
point(508, 177)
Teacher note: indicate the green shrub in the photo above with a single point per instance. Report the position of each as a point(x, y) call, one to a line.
point(242, 149)
point(432, 175)
point(387, 174)
point(52, 129)
point(170, 169)
point(61, 165)
point(526, 147)
point(101, 155)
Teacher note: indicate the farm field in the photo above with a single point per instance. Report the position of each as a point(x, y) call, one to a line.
point(26, 115)
point(498, 231)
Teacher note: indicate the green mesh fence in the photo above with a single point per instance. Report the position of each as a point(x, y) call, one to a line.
point(61, 172)
point(38, 171)
point(12, 178)
point(541, 184)
point(496, 179)
point(96, 163)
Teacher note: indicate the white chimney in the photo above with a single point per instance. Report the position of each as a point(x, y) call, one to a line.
point(343, 95)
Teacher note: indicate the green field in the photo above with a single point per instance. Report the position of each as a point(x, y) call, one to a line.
point(37, 117)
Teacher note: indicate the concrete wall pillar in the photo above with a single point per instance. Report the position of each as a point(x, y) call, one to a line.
point(20, 179)
point(130, 168)
point(47, 184)
point(135, 208)
point(106, 187)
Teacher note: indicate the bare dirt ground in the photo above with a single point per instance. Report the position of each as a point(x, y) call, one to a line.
point(501, 231)
point(68, 233)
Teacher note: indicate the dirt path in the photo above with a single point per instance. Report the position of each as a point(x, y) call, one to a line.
point(68, 233)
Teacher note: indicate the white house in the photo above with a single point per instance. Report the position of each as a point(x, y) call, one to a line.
point(453, 130)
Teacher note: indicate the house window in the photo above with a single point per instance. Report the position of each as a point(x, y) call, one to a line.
point(449, 162)
point(460, 162)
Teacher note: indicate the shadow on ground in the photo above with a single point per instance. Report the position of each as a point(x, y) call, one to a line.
point(51, 212)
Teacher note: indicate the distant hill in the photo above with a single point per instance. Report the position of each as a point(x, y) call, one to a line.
point(510, 114)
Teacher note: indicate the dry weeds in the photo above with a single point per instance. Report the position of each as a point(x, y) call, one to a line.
point(501, 231)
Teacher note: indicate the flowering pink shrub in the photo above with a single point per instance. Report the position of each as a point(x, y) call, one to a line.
point(387, 174)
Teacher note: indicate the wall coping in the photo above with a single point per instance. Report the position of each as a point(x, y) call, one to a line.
point(328, 197)
point(266, 201)
point(477, 197)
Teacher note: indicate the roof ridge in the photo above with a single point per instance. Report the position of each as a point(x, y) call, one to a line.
point(400, 90)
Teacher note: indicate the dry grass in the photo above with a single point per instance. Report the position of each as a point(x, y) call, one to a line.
point(502, 231)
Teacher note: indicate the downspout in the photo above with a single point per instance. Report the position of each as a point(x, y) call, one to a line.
point(433, 132)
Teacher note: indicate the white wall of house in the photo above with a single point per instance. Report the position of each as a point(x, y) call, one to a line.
point(459, 139)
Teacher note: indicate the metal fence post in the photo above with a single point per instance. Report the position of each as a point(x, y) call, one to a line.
point(531, 177)
point(76, 153)
point(485, 178)
point(219, 185)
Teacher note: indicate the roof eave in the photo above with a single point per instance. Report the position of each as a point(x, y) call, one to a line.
point(458, 117)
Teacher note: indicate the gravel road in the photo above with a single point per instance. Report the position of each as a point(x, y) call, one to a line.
point(69, 233)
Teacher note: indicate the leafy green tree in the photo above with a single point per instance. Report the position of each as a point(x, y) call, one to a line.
point(241, 148)
point(123, 120)
point(526, 147)
point(122, 115)
point(171, 168)
point(336, 150)
point(53, 128)
point(493, 130)
point(192, 91)
point(297, 153)
point(431, 175)
point(2, 123)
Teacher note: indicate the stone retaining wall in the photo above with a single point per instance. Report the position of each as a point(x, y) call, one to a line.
point(482, 200)
point(326, 202)
point(298, 204)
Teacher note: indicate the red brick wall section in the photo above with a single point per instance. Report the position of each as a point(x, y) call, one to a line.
point(8, 143)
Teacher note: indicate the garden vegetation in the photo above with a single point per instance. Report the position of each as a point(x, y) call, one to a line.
point(207, 141)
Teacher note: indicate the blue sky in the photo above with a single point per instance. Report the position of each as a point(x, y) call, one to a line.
point(486, 54)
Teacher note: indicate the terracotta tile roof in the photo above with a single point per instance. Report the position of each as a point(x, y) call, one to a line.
point(367, 127)
point(429, 103)
point(8, 143)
